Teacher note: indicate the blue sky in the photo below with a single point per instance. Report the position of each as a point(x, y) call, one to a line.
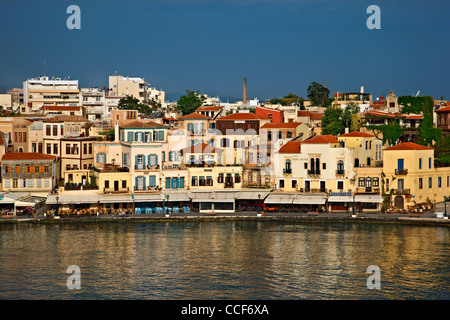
point(210, 45)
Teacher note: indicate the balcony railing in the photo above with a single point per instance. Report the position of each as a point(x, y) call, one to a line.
point(229, 184)
point(401, 171)
point(112, 190)
point(312, 190)
point(368, 190)
point(287, 171)
point(340, 172)
point(315, 172)
point(401, 191)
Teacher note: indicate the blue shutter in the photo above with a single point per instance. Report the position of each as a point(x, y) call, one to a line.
point(182, 182)
point(98, 157)
point(152, 181)
point(156, 160)
point(130, 136)
point(144, 184)
point(136, 183)
point(143, 161)
point(135, 136)
point(167, 183)
point(136, 163)
point(162, 135)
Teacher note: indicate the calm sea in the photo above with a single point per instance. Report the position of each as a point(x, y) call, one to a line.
point(224, 260)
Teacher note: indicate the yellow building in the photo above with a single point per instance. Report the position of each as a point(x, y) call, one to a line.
point(368, 149)
point(410, 177)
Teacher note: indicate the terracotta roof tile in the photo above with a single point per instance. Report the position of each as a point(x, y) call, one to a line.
point(243, 116)
point(291, 147)
point(356, 134)
point(142, 124)
point(322, 139)
point(27, 156)
point(194, 116)
point(63, 118)
point(409, 146)
point(445, 109)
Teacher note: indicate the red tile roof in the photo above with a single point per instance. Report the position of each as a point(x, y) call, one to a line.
point(303, 113)
point(409, 146)
point(316, 116)
point(356, 134)
point(142, 124)
point(291, 147)
point(322, 139)
point(63, 118)
point(27, 156)
point(445, 109)
point(194, 116)
point(243, 116)
point(201, 148)
point(288, 125)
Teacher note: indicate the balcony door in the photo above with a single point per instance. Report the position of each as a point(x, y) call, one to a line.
point(400, 164)
point(401, 184)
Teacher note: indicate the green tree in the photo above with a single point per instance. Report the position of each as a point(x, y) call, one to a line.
point(131, 103)
point(388, 133)
point(319, 94)
point(190, 102)
point(335, 120)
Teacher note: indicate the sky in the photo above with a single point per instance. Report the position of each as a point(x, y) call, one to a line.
point(279, 46)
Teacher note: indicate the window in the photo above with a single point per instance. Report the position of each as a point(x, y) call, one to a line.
point(376, 182)
point(439, 182)
point(306, 165)
point(293, 183)
point(124, 184)
point(209, 181)
point(237, 178)
point(30, 183)
point(48, 130)
point(324, 166)
point(15, 183)
point(340, 185)
point(6, 183)
point(49, 148)
point(46, 182)
point(194, 181)
point(101, 157)
point(55, 148)
point(46, 168)
point(107, 184)
point(39, 183)
point(17, 168)
point(340, 167)
point(429, 163)
point(420, 163)
point(420, 183)
point(281, 183)
point(430, 182)
point(55, 130)
point(361, 182)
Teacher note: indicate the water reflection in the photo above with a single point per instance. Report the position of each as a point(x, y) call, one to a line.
point(224, 260)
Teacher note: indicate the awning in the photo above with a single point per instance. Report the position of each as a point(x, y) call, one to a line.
point(369, 198)
point(177, 196)
point(251, 195)
point(73, 198)
point(114, 198)
point(149, 197)
point(213, 196)
point(279, 198)
point(309, 199)
point(340, 199)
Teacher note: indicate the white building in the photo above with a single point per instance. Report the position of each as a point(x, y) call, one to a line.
point(45, 91)
point(94, 101)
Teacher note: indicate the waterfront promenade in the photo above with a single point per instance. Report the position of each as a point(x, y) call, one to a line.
point(427, 218)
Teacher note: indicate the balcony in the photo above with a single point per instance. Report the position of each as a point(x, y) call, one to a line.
point(287, 171)
point(401, 171)
point(229, 184)
point(340, 172)
point(112, 190)
point(365, 190)
point(401, 191)
point(314, 172)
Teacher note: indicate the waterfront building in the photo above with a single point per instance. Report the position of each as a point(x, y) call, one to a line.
point(136, 87)
point(195, 126)
point(410, 176)
point(313, 169)
point(94, 102)
point(63, 110)
point(26, 171)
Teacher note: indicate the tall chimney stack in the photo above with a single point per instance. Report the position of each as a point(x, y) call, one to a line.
point(244, 96)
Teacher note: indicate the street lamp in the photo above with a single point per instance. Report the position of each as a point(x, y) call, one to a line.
point(446, 199)
point(259, 204)
point(57, 205)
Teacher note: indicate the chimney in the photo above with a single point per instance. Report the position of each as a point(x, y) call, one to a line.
point(244, 97)
point(116, 132)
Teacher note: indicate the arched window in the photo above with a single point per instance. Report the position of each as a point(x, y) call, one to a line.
point(312, 165)
point(288, 164)
point(317, 165)
point(340, 167)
